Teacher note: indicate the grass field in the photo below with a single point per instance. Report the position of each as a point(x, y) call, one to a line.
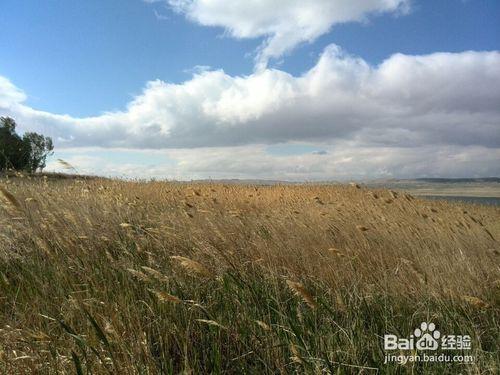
point(104, 276)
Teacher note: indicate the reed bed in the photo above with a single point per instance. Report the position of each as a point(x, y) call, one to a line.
point(107, 276)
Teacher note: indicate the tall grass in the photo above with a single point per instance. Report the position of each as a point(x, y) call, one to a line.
point(104, 276)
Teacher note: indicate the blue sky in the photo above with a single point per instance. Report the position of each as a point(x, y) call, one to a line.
point(86, 58)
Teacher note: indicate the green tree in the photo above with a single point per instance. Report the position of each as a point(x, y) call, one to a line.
point(28, 153)
point(13, 151)
point(40, 147)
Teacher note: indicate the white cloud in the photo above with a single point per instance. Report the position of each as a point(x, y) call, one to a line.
point(10, 94)
point(343, 161)
point(443, 105)
point(284, 23)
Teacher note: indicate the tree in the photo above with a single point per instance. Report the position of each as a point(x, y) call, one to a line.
point(12, 148)
point(28, 153)
point(40, 148)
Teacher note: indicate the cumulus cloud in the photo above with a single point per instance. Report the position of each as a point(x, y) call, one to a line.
point(442, 98)
point(343, 161)
point(10, 94)
point(283, 23)
point(442, 105)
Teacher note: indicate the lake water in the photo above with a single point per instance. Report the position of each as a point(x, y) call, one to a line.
point(475, 200)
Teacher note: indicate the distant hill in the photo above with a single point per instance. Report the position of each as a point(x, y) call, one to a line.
point(464, 187)
point(459, 180)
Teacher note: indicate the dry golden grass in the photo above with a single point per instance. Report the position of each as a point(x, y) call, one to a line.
point(134, 277)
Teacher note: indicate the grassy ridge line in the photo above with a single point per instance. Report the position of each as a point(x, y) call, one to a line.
point(473, 187)
point(124, 277)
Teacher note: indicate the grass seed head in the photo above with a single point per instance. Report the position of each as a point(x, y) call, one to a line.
point(165, 297)
point(263, 325)
point(302, 292)
point(138, 274)
point(154, 273)
point(211, 323)
point(193, 266)
point(476, 302)
point(11, 199)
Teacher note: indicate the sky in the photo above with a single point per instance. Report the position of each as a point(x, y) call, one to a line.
point(282, 89)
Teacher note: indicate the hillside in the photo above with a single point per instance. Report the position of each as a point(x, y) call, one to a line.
point(133, 277)
point(458, 187)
